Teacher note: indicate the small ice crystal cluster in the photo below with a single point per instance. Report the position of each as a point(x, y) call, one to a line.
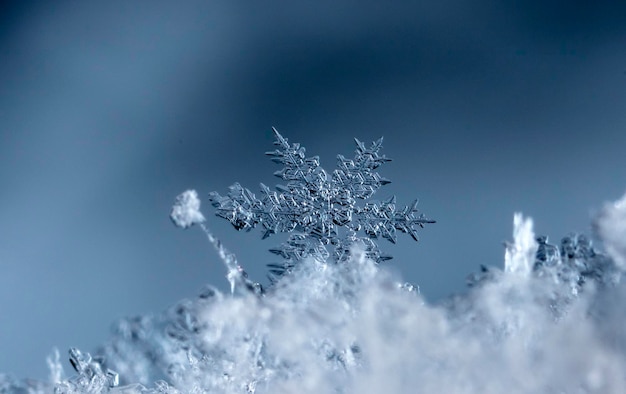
point(314, 206)
point(573, 263)
point(186, 210)
point(92, 376)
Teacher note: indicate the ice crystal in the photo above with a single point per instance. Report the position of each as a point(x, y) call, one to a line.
point(92, 378)
point(520, 254)
point(186, 210)
point(185, 213)
point(572, 264)
point(611, 226)
point(315, 206)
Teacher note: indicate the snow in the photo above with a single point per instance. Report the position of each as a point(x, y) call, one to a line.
point(186, 210)
point(611, 227)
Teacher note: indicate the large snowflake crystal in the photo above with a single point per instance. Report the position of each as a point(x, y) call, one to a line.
point(316, 206)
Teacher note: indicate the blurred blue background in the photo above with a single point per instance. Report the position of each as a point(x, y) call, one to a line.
point(110, 109)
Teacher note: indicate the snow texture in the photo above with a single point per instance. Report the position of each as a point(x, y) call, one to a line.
point(520, 255)
point(611, 226)
point(550, 321)
point(186, 210)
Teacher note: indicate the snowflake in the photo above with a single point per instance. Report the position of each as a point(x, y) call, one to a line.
point(315, 206)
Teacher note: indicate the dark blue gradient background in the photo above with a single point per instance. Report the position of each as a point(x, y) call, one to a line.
point(108, 110)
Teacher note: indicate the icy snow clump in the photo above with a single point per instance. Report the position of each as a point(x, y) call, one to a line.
point(186, 210)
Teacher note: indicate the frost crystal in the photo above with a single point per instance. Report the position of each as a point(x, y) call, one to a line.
point(571, 265)
point(314, 206)
point(92, 376)
point(520, 254)
point(186, 210)
point(611, 226)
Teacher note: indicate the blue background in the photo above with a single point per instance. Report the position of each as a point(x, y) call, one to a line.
point(110, 109)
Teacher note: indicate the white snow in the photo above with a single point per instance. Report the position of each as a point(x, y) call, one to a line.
point(520, 256)
point(611, 226)
point(186, 210)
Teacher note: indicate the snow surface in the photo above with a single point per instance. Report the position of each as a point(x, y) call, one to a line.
point(351, 328)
